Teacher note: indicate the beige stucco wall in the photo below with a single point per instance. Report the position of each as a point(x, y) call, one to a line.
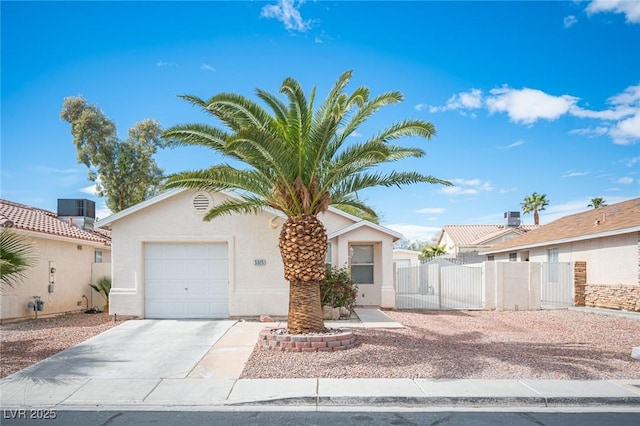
point(404, 257)
point(253, 290)
point(610, 260)
point(511, 286)
point(72, 260)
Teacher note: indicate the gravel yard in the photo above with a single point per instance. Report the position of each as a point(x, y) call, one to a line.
point(557, 344)
point(27, 342)
point(434, 345)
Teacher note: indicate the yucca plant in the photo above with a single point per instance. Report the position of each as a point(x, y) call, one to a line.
point(298, 160)
point(17, 256)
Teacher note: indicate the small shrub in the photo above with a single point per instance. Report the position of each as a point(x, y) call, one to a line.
point(338, 290)
point(103, 287)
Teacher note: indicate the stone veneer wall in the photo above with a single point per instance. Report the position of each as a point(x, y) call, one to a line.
point(610, 296)
point(618, 296)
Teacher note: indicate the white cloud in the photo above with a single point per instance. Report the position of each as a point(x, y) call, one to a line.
point(573, 173)
point(620, 120)
point(286, 11)
point(569, 21)
point(466, 187)
point(626, 131)
point(625, 180)
point(506, 191)
point(513, 145)
point(355, 135)
point(431, 210)
point(163, 64)
point(630, 8)
point(207, 67)
point(91, 190)
point(528, 105)
point(590, 131)
point(420, 107)
point(463, 100)
point(415, 232)
point(630, 162)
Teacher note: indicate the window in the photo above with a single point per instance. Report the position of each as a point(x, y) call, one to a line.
point(552, 258)
point(513, 257)
point(97, 256)
point(362, 263)
point(327, 260)
point(491, 258)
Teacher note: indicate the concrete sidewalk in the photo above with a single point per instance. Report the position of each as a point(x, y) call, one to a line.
point(213, 383)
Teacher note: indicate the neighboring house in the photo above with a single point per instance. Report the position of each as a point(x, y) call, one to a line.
point(464, 242)
point(69, 258)
point(607, 239)
point(404, 257)
point(169, 263)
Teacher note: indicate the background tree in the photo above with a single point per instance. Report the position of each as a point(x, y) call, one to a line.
point(433, 250)
point(534, 203)
point(597, 202)
point(124, 171)
point(297, 160)
point(17, 256)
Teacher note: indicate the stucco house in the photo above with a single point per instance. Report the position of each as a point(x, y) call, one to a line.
point(465, 242)
point(169, 263)
point(607, 239)
point(70, 255)
point(406, 257)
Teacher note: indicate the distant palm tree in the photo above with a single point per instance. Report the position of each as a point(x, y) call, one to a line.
point(17, 255)
point(433, 250)
point(534, 203)
point(298, 161)
point(597, 202)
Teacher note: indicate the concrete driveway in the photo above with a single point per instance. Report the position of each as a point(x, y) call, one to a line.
point(136, 349)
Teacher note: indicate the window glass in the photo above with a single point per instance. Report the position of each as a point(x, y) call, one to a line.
point(362, 254)
point(513, 257)
point(362, 263)
point(97, 256)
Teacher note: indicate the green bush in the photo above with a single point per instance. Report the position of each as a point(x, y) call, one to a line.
point(103, 287)
point(338, 290)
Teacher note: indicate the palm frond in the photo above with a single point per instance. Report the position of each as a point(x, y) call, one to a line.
point(17, 256)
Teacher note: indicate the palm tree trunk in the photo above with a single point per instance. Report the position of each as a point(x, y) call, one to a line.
point(536, 217)
point(303, 246)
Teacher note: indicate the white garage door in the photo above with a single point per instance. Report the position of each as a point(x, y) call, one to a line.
point(186, 280)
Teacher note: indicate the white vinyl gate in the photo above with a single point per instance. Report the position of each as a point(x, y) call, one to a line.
point(440, 285)
point(557, 285)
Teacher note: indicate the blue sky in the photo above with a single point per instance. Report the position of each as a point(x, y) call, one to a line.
point(525, 96)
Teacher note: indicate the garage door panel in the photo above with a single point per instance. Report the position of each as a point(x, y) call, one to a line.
point(186, 280)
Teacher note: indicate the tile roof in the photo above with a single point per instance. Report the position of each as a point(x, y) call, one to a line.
point(615, 219)
point(20, 216)
point(469, 235)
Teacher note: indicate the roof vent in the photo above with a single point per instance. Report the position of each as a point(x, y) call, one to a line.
point(201, 203)
point(512, 219)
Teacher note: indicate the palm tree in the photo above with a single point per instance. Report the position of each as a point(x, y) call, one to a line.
point(298, 162)
point(433, 250)
point(534, 203)
point(17, 255)
point(597, 202)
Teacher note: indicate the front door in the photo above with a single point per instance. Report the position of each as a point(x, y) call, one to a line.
point(362, 262)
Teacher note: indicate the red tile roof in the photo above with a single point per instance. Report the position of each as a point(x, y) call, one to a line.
point(20, 216)
point(609, 220)
point(470, 235)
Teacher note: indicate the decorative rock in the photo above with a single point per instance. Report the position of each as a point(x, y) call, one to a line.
point(265, 318)
point(635, 353)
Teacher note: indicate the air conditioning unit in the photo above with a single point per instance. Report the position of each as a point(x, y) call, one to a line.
point(512, 219)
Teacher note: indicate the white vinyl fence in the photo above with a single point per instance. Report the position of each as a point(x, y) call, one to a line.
point(440, 285)
point(443, 284)
point(557, 285)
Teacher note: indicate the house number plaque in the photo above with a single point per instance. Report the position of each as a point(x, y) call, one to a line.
point(260, 262)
